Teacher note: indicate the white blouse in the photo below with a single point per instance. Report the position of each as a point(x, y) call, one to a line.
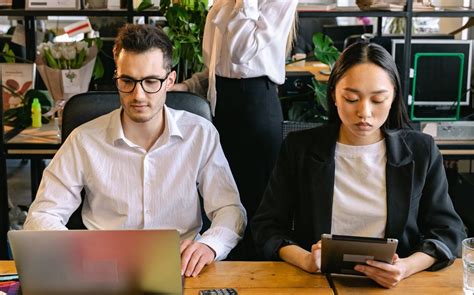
point(360, 197)
point(247, 39)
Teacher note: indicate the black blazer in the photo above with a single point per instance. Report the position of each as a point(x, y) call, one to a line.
point(297, 204)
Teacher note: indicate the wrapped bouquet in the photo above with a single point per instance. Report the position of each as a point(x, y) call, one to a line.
point(66, 69)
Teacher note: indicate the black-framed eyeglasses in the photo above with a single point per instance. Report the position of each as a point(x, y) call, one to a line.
point(149, 84)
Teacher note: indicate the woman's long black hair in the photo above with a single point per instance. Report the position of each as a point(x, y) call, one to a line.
point(363, 52)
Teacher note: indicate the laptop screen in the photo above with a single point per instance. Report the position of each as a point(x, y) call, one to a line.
point(97, 262)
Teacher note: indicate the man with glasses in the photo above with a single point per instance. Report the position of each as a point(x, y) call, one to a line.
point(143, 166)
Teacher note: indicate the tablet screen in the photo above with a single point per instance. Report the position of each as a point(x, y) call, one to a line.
point(339, 254)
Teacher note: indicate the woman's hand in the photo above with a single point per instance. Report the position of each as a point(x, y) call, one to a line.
point(386, 275)
point(389, 275)
point(308, 261)
point(314, 258)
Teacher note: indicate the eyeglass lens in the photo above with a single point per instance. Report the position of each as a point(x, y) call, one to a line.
point(150, 85)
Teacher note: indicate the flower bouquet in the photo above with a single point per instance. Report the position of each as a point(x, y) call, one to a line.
point(66, 69)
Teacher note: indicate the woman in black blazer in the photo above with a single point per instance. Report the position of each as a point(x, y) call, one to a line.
point(366, 173)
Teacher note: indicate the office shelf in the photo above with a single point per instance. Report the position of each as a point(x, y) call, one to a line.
point(80, 12)
point(350, 12)
point(445, 13)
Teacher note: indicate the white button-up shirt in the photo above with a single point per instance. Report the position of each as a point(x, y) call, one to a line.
point(244, 39)
point(128, 187)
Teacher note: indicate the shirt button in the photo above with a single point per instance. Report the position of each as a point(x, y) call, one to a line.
point(147, 211)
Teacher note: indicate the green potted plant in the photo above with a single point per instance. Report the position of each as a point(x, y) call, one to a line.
point(185, 27)
point(316, 112)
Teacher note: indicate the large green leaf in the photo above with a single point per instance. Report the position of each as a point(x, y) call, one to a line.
point(324, 49)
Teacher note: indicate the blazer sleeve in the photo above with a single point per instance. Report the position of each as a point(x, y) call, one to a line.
point(441, 227)
point(271, 225)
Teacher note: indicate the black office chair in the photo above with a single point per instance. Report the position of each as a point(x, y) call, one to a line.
point(87, 106)
point(83, 107)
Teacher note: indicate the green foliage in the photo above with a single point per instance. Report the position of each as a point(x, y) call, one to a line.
point(185, 27)
point(98, 71)
point(21, 116)
point(144, 5)
point(8, 54)
point(324, 49)
point(325, 52)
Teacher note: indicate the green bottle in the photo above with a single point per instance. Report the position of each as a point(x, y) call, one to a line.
point(36, 113)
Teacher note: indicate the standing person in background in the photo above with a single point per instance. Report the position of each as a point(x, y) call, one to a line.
point(245, 46)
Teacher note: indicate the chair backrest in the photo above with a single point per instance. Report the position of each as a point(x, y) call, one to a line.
point(188, 101)
point(84, 107)
point(291, 126)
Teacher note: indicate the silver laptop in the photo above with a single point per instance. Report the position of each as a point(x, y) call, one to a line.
point(97, 262)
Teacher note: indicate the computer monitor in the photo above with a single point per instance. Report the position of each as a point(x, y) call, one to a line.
point(440, 77)
point(338, 34)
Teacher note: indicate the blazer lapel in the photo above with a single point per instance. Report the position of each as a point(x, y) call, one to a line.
point(399, 174)
point(321, 171)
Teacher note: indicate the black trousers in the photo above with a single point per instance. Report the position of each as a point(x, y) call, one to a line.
point(248, 118)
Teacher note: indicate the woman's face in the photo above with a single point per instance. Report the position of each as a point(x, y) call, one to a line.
point(363, 97)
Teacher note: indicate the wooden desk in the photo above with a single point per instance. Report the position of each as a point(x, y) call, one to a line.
point(282, 278)
point(442, 282)
point(258, 278)
point(247, 278)
point(313, 67)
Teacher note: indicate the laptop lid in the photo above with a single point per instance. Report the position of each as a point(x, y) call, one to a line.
point(97, 262)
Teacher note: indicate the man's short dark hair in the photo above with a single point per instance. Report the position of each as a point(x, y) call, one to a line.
point(141, 38)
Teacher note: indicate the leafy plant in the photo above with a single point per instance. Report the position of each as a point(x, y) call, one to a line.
point(325, 52)
point(8, 54)
point(324, 49)
point(185, 27)
point(21, 116)
point(144, 5)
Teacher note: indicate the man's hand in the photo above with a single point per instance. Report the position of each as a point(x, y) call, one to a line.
point(194, 256)
point(384, 274)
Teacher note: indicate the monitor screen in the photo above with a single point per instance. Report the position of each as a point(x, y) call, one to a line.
point(443, 71)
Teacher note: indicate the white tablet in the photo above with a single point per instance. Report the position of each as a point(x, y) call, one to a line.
point(339, 254)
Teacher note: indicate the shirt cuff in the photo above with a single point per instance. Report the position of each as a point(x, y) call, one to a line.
point(220, 239)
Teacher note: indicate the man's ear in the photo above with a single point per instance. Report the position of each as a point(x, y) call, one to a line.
point(170, 80)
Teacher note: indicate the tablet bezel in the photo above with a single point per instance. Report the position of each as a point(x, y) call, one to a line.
point(339, 253)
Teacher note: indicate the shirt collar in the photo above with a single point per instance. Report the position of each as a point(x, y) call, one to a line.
point(116, 129)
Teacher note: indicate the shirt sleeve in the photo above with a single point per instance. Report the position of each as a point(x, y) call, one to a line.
point(198, 83)
point(252, 28)
point(221, 200)
point(59, 193)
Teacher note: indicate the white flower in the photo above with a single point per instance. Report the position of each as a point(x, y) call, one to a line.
point(80, 45)
point(68, 52)
point(55, 52)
